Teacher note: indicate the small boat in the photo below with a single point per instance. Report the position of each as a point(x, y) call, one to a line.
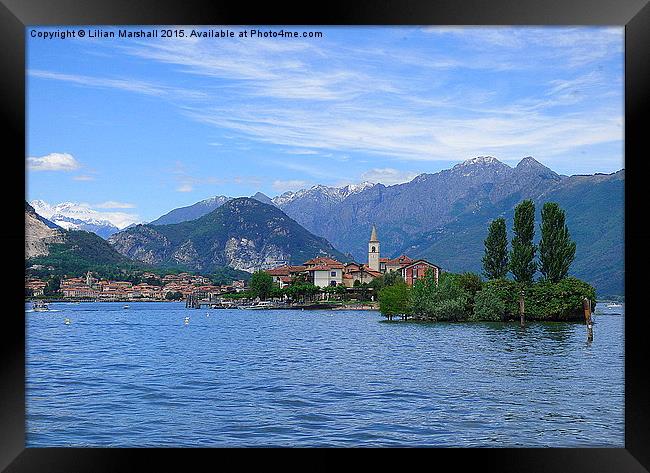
point(67, 321)
point(613, 305)
point(40, 306)
point(186, 321)
point(261, 305)
point(125, 307)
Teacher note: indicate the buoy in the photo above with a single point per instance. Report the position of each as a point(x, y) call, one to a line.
point(67, 321)
point(187, 320)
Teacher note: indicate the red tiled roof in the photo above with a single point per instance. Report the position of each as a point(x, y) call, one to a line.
point(321, 260)
point(285, 270)
point(403, 259)
point(279, 271)
point(419, 261)
point(367, 271)
point(326, 267)
point(297, 269)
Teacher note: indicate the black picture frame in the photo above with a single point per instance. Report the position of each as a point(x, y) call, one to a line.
point(15, 15)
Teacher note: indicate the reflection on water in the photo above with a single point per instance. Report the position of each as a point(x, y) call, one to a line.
point(142, 377)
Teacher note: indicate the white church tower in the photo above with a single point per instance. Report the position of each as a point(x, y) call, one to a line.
point(373, 250)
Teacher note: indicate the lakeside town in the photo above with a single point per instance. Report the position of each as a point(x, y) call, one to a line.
point(323, 273)
point(157, 288)
point(399, 286)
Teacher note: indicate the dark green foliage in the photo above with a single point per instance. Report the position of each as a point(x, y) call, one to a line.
point(53, 287)
point(461, 297)
point(522, 254)
point(301, 291)
point(559, 301)
point(337, 291)
point(387, 279)
point(495, 258)
point(152, 281)
point(276, 292)
point(497, 300)
point(447, 301)
point(226, 275)
point(395, 300)
point(81, 252)
point(261, 284)
point(174, 296)
point(470, 283)
point(556, 249)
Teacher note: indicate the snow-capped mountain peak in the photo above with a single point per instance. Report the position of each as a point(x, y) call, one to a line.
point(79, 216)
point(319, 191)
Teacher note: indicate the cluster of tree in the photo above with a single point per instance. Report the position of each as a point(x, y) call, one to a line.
point(174, 296)
point(556, 249)
point(261, 286)
point(467, 297)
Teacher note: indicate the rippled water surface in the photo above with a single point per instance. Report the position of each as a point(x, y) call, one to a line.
point(141, 377)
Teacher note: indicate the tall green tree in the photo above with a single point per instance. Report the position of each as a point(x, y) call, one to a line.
point(395, 300)
point(522, 255)
point(261, 284)
point(53, 287)
point(495, 259)
point(556, 249)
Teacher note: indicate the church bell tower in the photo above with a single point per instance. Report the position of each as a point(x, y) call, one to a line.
point(373, 250)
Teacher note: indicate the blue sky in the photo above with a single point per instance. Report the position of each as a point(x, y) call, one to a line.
point(140, 126)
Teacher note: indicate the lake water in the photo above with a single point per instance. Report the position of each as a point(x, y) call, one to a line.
point(140, 377)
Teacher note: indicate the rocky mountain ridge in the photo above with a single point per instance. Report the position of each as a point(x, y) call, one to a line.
point(243, 233)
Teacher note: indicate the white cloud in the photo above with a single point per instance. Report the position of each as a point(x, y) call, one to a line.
point(53, 162)
point(329, 97)
point(112, 204)
point(186, 187)
point(387, 176)
point(301, 151)
point(126, 84)
point(289, 185)
point(84, 177)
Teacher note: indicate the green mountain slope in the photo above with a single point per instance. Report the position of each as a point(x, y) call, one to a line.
point(594, 208)
point(243, 233)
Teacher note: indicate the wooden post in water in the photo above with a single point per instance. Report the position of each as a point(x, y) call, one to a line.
point(521, 307)
point(586, 305)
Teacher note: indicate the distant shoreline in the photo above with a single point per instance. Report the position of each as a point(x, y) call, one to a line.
point(308, 306)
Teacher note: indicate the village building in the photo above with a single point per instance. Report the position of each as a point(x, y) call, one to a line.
point(324, 271)
point(388, 265)
point(326, 274)
point(373, 250)
point(360, 273)
point(417, 270)
point(35, 287)
point(284, 275)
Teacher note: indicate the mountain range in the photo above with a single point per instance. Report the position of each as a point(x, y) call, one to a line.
point(242, 233)
point(73, 216)
point(65, 251)
point(443, 217)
